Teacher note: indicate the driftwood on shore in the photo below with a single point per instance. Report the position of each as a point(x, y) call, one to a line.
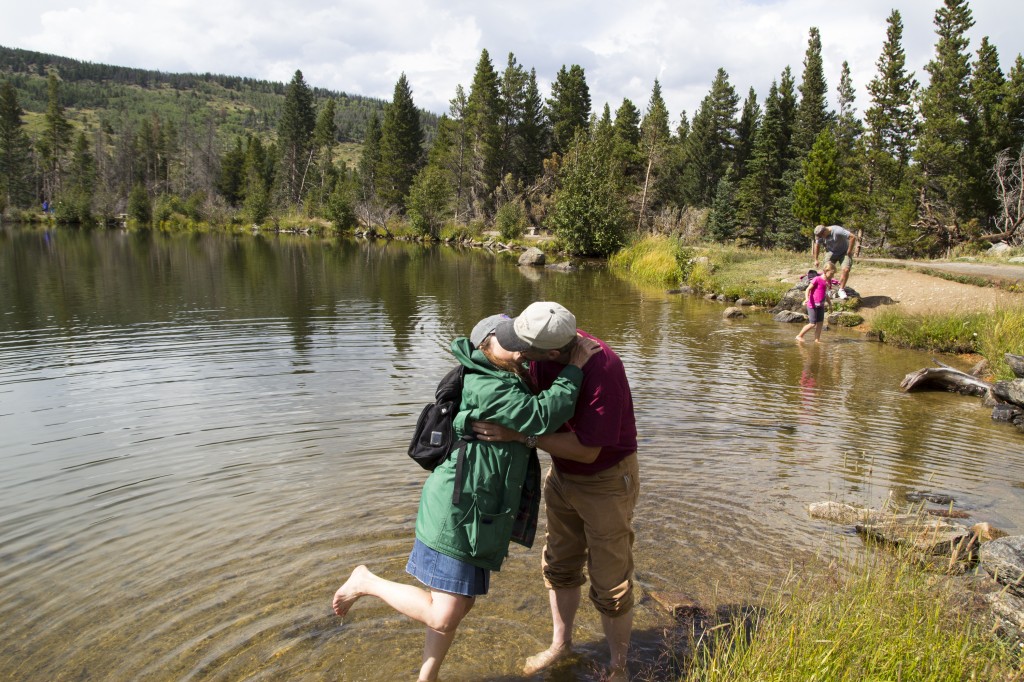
point(946, 378)
point(1006, 398)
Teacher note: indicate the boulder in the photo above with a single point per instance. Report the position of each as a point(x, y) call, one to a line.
point(732, 312)
point(845, 319)
point(1016, 363)
point(1003, 559)
point(790, 316)
point(744, 302)
point(999, 247)
point(1008, 613)
point(1005, 412)
point(1010, 391)
point(929, 536)
point(565, 266)
point(845, 514)
point(532, 256)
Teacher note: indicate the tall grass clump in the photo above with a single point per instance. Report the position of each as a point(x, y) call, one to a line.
point(937, 332)
point(1002, 332)
point(883, 619)
point(651, 260)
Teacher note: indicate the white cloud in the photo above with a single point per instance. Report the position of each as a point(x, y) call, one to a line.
point(361, 46)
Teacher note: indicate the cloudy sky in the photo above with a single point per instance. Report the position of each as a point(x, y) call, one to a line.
point(362, 46)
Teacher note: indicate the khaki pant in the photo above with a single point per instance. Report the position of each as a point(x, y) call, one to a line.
point(590, 521)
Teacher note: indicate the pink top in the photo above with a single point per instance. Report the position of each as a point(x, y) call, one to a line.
point(816, 291)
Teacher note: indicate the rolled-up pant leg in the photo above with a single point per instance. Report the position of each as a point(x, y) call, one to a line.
point(590, 522)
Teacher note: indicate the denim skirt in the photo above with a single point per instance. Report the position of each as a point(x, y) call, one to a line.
point(447, 574)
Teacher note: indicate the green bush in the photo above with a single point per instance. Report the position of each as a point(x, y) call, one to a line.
point(652, 260)
point(139, 207)
point(511, 220)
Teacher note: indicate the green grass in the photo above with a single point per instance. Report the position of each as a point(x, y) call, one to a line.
point(881, 618)
point(936, 332)
point(651, 261)
point(990, 334)
point(717, 269)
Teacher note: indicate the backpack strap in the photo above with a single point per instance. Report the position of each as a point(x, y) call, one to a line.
point(460, 462)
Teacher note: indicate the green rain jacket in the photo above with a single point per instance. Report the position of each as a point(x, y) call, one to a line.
point(478, 530)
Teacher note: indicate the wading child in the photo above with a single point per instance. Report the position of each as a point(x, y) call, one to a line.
point(816, 300)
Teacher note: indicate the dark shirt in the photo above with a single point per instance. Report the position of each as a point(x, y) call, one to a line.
point(604, 410)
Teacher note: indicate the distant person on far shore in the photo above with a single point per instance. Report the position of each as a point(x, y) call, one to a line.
point(839, 244)
point(816, 300)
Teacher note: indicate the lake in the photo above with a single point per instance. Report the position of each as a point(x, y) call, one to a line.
point(201, 435)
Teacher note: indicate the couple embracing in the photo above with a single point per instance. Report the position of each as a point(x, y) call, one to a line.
point(534, 381)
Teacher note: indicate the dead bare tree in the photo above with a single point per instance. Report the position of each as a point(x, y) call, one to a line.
point(1008, 174)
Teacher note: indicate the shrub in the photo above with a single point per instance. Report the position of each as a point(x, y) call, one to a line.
point(511, 220)
point(652, 260)
point(139, 207)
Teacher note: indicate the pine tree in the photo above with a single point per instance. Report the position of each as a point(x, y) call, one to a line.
point(294, 135)
point(369, 159)
point(533, 131)
point(988, 90)
point(710, 146)
point(15, 151)
point(812, 114)
point(401, 146)
point(948, 127)
point(885, 204)
point(1013, 106)
point(75, 203)
point(568, 107)
point(654, 141)
point(746, 130)
point(626, 131)
point(818, 197)
point(54, 141)
point(763, 196)
point(322, 174)
point(232, 180)
point(451, 152)
point(722, 220)
point(511, 114)
point(483, 109)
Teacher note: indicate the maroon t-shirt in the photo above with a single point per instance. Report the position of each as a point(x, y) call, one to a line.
point(604, 410)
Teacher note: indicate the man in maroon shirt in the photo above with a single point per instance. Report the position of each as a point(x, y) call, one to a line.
point(591, 488)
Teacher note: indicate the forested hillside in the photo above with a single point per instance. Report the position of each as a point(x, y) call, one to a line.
point(916, 164)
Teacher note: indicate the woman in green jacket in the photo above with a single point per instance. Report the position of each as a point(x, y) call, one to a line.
point(458, 543)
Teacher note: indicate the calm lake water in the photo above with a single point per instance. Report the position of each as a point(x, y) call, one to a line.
point(200, 436)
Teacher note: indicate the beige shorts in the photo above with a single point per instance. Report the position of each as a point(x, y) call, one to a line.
point(590, 523)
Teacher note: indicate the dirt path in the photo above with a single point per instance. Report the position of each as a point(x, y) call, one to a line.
point(914, 292)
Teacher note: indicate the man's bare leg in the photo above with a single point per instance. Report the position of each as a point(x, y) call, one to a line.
point(618, 631)
point(843, 276)
point(564, 604)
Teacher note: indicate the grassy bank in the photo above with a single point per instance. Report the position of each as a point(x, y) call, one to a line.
point(879, 619)
point(755, 275)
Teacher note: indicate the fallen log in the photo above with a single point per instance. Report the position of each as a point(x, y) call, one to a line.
point(945, 378)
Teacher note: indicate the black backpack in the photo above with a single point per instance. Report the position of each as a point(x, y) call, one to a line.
point(434, 438)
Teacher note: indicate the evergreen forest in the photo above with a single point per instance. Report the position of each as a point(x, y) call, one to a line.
point(917, 165)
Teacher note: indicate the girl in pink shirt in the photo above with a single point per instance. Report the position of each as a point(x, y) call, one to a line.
point(815, 298)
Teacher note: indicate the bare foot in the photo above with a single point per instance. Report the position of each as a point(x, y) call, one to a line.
point(817, 340)
point(619, 674)
point(549, 656)
point(348, 593)
point(800, 339)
